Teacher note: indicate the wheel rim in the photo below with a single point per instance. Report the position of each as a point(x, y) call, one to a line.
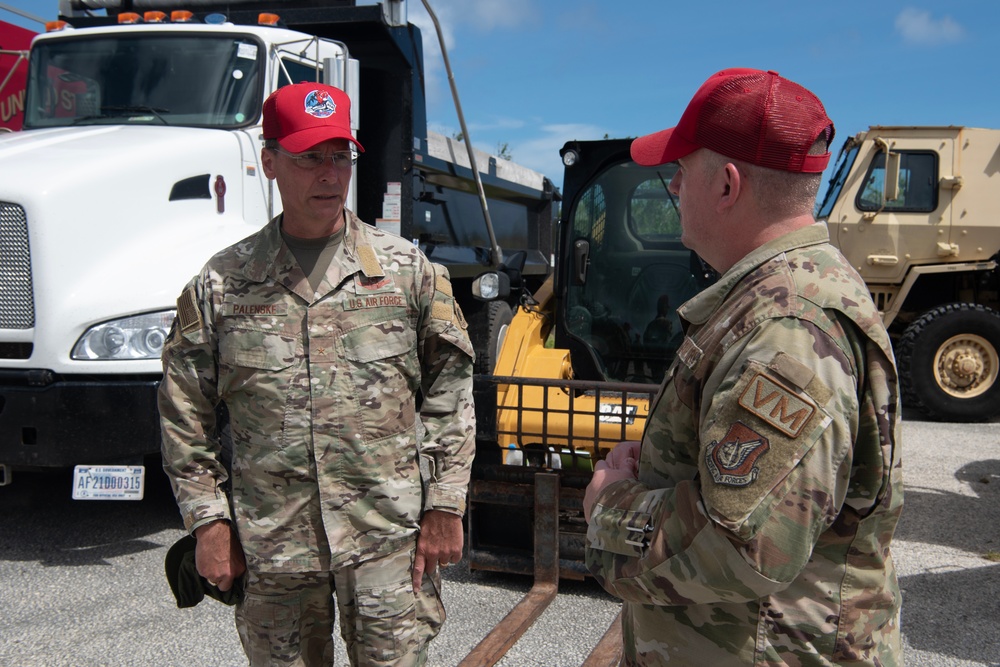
point(966, 366)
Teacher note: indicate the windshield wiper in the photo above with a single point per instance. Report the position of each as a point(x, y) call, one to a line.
point(116, 111)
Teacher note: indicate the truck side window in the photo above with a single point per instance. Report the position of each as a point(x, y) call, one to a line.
point(293, 71)
point(918, 178)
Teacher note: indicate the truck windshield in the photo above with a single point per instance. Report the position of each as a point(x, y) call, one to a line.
point(191, 80)
point(840, 172)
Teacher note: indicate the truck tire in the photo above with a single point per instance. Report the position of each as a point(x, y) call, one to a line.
point(949, 361)
point(487, 329)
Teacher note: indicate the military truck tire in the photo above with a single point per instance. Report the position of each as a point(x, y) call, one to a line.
point(487, 330)
point(949, 360)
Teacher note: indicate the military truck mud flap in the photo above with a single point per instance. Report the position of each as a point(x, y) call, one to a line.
point(536, 444)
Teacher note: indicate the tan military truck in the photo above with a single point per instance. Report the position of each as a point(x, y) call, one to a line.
point(917, 212)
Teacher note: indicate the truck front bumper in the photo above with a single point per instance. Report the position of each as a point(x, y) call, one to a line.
point(47, 421)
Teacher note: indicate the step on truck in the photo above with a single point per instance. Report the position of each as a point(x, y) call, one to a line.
point(139, 159)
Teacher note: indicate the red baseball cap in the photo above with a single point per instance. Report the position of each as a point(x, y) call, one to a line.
point(745, 114)
point(302, 115)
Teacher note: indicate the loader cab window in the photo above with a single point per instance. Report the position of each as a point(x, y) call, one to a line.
point(201, 80)
point(627, 274)
point(918, 178)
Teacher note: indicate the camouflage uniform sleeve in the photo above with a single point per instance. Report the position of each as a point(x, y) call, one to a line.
point(778, 419)
point(187, 398)
point(446, 413)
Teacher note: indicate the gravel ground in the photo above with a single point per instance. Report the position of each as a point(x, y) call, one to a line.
point(81, 584)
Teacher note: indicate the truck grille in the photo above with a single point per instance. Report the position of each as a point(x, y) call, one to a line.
point(17, 306)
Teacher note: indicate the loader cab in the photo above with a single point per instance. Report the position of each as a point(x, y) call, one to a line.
point(623, 269)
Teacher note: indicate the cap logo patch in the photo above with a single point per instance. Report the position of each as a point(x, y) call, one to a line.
point(320, 104)
point(733, 461)
point(777, 405)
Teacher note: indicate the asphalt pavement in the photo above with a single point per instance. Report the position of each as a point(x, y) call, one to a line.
point(82, 584)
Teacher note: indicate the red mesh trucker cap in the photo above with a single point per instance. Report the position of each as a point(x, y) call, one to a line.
point(745, 114)
point(302, 115)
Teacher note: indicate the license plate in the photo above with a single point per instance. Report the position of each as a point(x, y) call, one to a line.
point(108, 482)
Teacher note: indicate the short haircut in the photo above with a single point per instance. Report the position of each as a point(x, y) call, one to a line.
point(776, 192)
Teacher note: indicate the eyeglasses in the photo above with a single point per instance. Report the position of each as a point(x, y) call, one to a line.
point(340, 159)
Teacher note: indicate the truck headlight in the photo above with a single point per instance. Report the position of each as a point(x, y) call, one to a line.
point(137, 337)
point(491, 285)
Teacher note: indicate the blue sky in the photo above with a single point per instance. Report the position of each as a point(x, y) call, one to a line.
point(533, 74)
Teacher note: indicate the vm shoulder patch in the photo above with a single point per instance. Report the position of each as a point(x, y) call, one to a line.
point(188, 313)
point(776, 404)
point(732, 461)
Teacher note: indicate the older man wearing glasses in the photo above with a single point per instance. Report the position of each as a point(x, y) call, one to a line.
point(317, 335)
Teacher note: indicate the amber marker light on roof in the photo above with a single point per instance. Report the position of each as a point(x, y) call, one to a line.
point(154, 17)
point(129, 17)
point(181, 16)
point(268, 19)
point(55, 26)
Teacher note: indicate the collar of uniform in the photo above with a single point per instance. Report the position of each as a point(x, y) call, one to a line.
point(699, 308)
point(357, 250)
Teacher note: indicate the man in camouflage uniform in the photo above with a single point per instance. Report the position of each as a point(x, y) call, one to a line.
point(317, 334)
point(751, 526)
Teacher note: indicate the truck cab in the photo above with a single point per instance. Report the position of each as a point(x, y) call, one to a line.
point(914, 211)
point(140, 158)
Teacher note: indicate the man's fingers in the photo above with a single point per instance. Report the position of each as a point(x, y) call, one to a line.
point(418, 572)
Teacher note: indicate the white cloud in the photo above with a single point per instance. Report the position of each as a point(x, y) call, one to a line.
point(918, 27)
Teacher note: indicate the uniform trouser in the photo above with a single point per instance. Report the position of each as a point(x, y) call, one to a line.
point(286, 620)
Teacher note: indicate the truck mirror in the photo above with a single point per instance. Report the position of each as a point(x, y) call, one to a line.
point(581, 261)
point(891, 176)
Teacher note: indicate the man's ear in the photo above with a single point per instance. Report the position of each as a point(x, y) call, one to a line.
point(730, 186)
point(267, 162)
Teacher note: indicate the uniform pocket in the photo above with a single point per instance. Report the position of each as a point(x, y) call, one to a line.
point(387, 620)
point(384, 372)
point(255, 359)
point(260, 350)
point(269, 628)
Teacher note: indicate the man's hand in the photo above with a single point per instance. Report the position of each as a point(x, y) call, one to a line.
point(439, 542)
point(218, 554)
point(621, 463)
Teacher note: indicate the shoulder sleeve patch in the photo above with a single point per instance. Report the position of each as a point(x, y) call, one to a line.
point(188, 313)
point(773, 402)
point(732, 461)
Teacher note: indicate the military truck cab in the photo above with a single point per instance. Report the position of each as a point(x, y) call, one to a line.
point(913, 210)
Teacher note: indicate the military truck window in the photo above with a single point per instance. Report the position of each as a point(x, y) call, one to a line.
point(918, 178)
point(840, 172)
point(195, 81)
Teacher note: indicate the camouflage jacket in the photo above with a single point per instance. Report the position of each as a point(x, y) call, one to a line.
point(769, 481)
point(321, 390)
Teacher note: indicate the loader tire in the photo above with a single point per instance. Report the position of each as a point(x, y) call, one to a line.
point(949, 360)
point(487, 329)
